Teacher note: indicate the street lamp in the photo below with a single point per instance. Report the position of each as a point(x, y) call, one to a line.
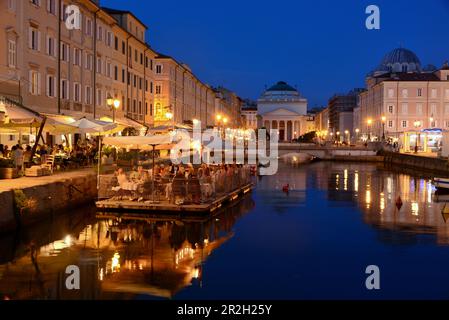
point(370, 122)
point(357, 131)
point(338, 136)
point(384, 120)
point(195, 122)
point(169, 117)
point(432, 120)
point(114, 104)
point(417, 124)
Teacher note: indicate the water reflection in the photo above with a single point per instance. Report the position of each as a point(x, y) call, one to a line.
point(330, 211)
point(119, 257)
point(375, 191)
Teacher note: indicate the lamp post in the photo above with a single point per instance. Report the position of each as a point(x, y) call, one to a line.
point(338, 137)
point(432, 120)
point(369, 122)
point(417, 124)
point(348, 138)
point(219, 117)
point(357, 131)
point(114, 104)
point(384, 120)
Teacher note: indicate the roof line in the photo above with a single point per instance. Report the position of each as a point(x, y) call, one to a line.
point(117, 11)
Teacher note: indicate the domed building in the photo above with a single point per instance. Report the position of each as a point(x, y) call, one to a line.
point(281, 107)
point(405, 102)
point(399, 60)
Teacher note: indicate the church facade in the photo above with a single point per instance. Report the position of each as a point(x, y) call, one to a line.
point(282, 108)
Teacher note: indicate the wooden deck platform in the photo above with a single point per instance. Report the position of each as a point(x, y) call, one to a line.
point(166, 207)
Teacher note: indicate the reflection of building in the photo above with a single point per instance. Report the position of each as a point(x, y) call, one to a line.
point(282, 108)
point(375, 192)
point(410, 97)
point(119, 258)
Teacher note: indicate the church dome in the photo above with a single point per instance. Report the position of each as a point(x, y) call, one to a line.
point(281, 91)
point(282, 86)
point(400, 60)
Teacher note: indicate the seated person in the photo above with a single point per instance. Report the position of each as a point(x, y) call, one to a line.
point(123, 181)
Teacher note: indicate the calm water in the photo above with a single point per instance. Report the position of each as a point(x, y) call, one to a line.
point(312, 243)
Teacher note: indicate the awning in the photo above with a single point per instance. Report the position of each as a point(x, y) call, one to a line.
point(168, 128)
point(139, 142)
point(17, 116)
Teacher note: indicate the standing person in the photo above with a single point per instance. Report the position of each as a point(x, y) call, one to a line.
point(5, 152)
point(18, 157)
point(27, 155)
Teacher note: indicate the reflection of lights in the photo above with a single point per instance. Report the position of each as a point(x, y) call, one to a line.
point(68, 240)
point(115, 263)
point(345, 182)
point(389, 185)
point(382, 204)
point(337, 181)
point(368, 199)
point(183, 254)
point(415, 209)
point(101, 275)
point(356, 182)
point(196, 273)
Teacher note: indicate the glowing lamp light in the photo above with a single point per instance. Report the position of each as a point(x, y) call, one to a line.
point(169, 115)
point(116, 103)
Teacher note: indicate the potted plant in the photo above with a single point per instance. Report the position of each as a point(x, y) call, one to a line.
point(107, 158)
point(7, 170)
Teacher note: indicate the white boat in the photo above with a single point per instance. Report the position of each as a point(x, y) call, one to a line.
point(441, 183)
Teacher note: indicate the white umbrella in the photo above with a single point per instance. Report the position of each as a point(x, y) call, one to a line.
point(123, 123)
point(95, 127)
point(168, 128)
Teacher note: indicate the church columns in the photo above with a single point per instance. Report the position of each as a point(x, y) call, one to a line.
point(290, 130)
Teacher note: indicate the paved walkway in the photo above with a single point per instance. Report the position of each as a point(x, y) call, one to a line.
point(29, 182)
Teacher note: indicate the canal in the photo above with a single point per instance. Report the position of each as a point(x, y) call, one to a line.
point(313, 242)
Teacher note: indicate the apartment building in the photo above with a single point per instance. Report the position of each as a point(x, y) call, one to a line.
point(231, 105)
point(133, 71)
point(180, 93)
point(402, 97)
point(107, 56)
point(59, 71)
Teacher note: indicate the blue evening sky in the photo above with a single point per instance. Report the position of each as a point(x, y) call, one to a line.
point(321, 46)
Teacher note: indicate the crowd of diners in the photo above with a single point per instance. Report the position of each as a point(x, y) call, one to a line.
point(180, 184)
point(82, 153)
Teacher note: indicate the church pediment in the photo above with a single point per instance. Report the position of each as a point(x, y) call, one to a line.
point(281, 112)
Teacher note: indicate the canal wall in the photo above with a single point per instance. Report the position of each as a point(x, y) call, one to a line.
point(28, 200)
point(428, 164)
